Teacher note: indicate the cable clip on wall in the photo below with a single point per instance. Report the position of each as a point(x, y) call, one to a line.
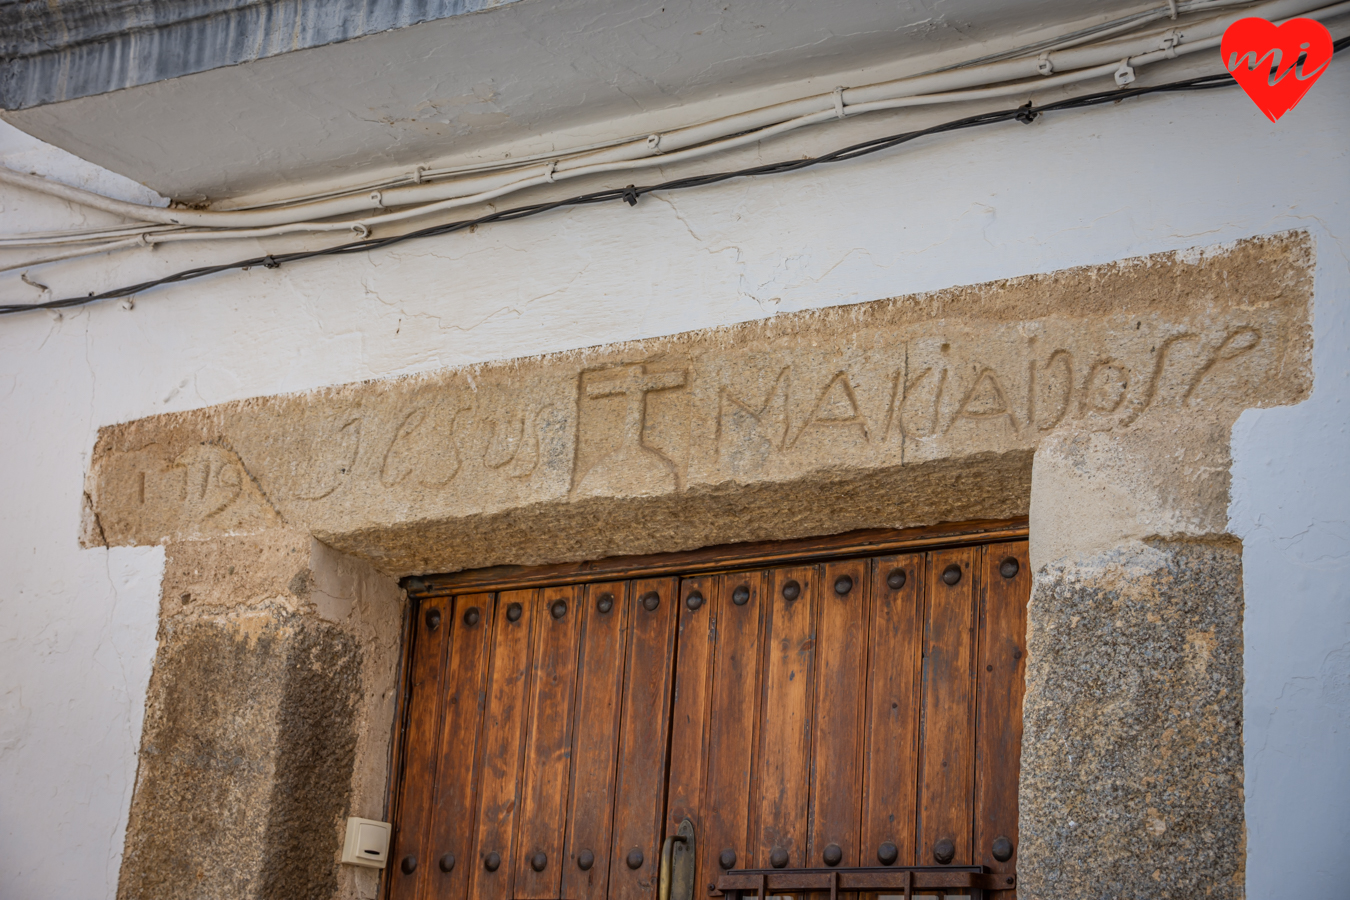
point(1170, 41)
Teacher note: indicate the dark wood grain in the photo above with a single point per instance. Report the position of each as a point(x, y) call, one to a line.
point(604, 645)
point(733, 726)
point(548, 743)
point(399, 749)
point(947, 750)
point(1001, 675)
point(461, 730)
point(723, 557)
point(503, 742)
point(782, 786)
point(419, 774)
point(895, 656)
point(841, 681)
point(878, 715)
point(695, 644)
point(695, 647)
point(640, 787)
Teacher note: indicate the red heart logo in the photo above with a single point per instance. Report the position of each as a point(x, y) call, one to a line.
point(1260, 56)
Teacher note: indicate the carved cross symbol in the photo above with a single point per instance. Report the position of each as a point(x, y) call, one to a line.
point(634, 383)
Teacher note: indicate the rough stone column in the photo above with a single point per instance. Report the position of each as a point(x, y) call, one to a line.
point(267, 721)
point(1132, 746)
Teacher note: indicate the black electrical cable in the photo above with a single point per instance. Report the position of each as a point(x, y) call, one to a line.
point(630, 194)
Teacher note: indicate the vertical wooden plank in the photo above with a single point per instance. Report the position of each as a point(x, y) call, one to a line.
point(947, 753)
point(450, 843)
point(733, 726)
point(503, 743)
point(1002, 679)
point(595, 745)
point(837, 743)
point(548, 745)
point(695, 645)
point(895, 654)
point(419, 768)
point(782, 785)
point(641, 781)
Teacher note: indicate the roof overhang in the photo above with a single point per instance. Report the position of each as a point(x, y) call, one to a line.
point(246, 99)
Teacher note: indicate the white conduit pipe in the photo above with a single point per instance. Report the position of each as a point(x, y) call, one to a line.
point(71, 254)
point(1069, 66)
point(47, 239)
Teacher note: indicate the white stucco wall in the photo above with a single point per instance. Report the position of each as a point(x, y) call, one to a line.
point(1291, 507)
point(77, 627)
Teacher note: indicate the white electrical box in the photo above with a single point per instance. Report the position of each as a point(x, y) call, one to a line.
point(367, 843)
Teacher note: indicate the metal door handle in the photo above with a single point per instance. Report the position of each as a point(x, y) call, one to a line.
point(666, 849)
point(678, 878)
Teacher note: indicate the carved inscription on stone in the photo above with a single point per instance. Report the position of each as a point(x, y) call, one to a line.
point(618, 454)
point(873, 386)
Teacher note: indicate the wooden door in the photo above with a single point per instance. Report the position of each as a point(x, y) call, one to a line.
point(858, 712)
point(855, 711)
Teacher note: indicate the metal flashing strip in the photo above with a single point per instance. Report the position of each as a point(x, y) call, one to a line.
point(55, 51)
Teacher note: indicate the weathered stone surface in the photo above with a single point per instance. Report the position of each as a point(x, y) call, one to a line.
point(792, 403)
point(1132, 750)
point(267, 721)
point(247, 759)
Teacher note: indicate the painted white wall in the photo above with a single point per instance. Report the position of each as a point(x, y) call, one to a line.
point(1291, 507)
point(77, 626)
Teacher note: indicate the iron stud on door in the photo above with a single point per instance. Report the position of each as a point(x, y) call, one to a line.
point(599, 694)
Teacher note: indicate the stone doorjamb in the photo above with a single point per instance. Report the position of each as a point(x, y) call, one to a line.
point(1098, 400)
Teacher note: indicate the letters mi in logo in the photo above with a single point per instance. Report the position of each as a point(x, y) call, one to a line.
point(1261, 56)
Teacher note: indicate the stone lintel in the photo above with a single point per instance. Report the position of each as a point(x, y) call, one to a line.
point(1173, 346)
